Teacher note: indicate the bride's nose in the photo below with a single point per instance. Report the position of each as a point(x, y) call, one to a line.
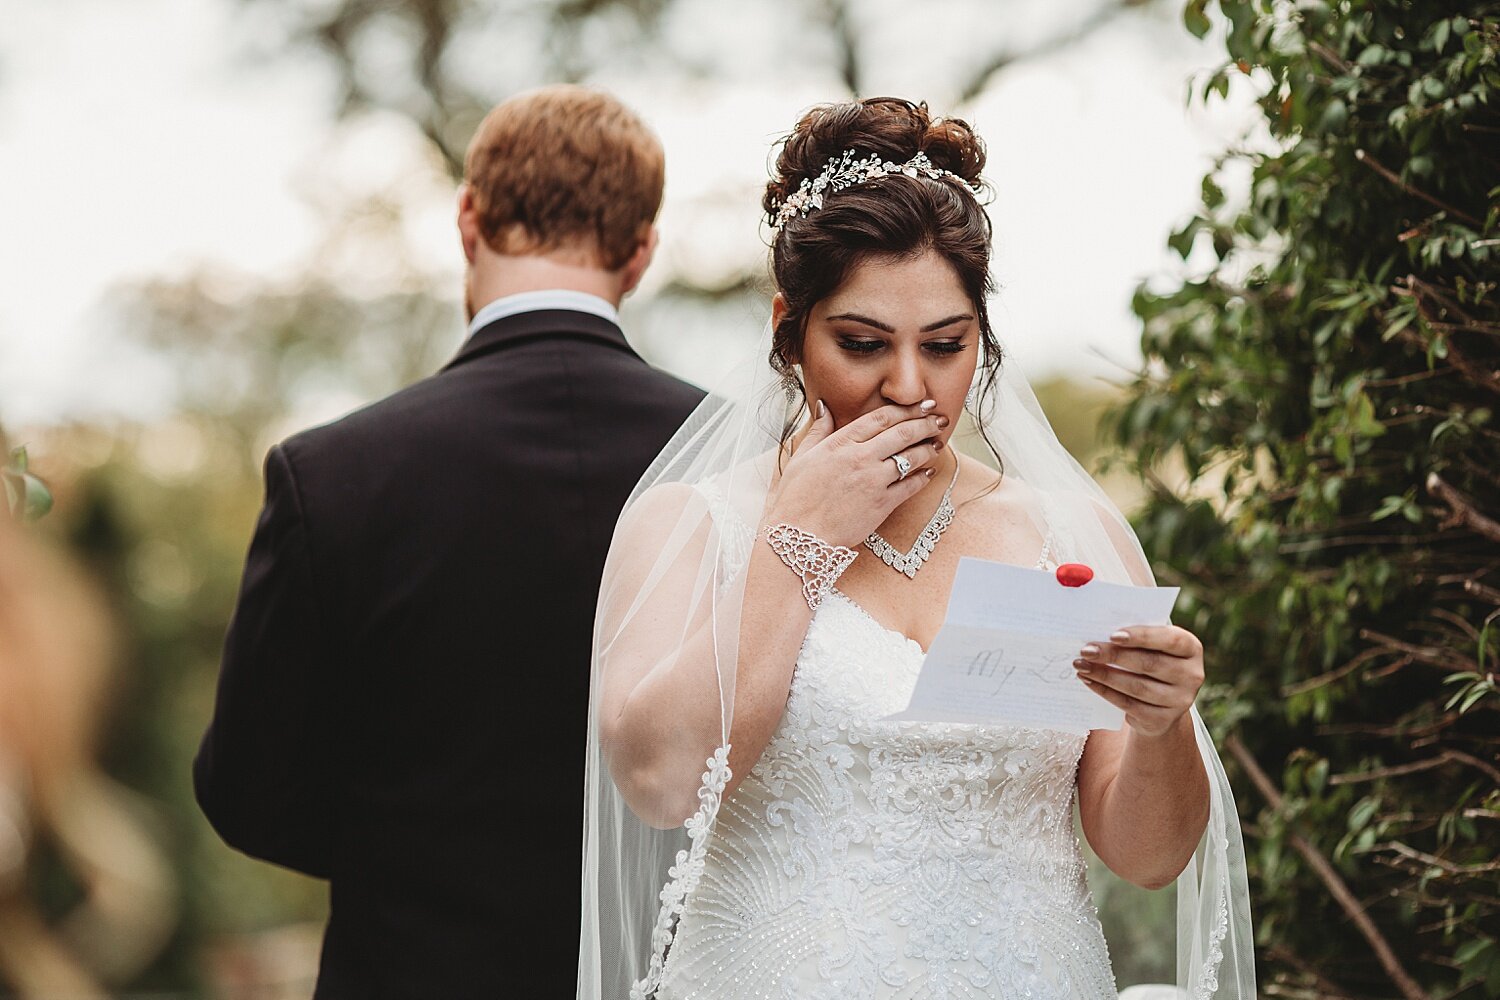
point(904, 383)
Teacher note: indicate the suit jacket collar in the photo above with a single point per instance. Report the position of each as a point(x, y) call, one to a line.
point(540, 324)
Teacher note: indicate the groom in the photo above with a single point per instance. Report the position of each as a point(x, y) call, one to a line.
point(404, 691)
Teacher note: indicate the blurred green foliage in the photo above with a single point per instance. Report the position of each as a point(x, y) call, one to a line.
point(1326, 396)
point(26, 496)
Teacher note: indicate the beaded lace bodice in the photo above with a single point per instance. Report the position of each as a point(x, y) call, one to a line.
point(869, 859)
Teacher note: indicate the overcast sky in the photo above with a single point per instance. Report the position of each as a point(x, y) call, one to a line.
point(137, 140)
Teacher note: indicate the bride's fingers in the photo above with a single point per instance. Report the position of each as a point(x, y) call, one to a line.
point(867, 427)
point(903, 490)
point(1169, 639)
point(1171, 669)
point(907, 434)
point(820, 427)
point(1138, 714)
point(921, 455)
point(1138, 687)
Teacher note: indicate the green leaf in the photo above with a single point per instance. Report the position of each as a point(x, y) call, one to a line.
point(1335, 116)
point(1389, 506)
point(38, 499)
point(25, 494)
point(1362, 813)
point(1317, 776)
point(1195, 18)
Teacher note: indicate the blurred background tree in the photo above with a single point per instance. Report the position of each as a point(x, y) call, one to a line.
point(1326, 398)
point(424, 59)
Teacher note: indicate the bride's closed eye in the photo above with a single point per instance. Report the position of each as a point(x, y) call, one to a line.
point(946, 346)
point(857, 345)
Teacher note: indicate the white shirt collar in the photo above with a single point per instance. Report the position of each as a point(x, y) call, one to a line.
point(547, 298)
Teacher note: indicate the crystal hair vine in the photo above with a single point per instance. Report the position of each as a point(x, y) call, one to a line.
point(848, 169)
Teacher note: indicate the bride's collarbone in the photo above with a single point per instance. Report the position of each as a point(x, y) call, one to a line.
point(913, 606)
point(916, 606)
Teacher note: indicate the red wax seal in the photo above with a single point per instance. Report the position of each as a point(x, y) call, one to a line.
point(1074, 574)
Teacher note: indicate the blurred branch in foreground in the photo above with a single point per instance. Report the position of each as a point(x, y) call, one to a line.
point(59, 814)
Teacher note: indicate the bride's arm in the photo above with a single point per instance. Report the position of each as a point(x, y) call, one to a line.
point(663, 702)
point(1143, 795)
point(659, 713)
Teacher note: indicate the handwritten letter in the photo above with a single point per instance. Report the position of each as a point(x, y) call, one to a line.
point(1006, 649)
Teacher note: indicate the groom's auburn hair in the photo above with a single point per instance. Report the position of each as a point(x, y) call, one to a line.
point(565, 167)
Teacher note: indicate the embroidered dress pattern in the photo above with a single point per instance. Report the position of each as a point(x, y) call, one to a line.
point(864, 859)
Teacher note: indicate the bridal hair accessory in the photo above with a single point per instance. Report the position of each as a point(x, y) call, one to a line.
point(903, 467)
point(817, 562)
point(910, 561)
point(848, 169)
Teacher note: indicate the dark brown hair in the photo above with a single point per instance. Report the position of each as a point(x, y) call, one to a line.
point(895, 215)
point(565, 166)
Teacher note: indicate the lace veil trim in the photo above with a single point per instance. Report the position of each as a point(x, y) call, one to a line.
point(687, 869)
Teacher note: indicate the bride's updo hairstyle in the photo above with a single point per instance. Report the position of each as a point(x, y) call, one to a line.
point(890, 215)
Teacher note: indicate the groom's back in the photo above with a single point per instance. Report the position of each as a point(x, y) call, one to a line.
point(403, 699)
point(477, 511)
point(453, 536)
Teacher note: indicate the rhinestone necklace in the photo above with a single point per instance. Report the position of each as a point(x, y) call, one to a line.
point(911, 561)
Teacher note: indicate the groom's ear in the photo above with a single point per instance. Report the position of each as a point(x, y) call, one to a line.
point(640, 259)
point(469, 231)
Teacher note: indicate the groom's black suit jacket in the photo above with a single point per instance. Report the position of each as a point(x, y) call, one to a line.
point(403, 698)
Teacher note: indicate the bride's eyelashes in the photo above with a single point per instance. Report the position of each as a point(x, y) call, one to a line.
point(857, 345)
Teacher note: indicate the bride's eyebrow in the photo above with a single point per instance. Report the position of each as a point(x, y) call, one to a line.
point(960, 318)
point(867, 321)
point(863, 320)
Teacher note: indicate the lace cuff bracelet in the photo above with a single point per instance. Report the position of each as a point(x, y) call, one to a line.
point(818, 563)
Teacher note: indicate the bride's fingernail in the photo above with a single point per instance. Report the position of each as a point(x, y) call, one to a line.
point(928, 472)
point(821, 409)
point(1090, 650)
point(928, 405)
point(937, 445)
point(1120, 636)
point(942, 421)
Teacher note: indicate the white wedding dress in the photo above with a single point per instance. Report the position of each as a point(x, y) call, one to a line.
point(862, 859)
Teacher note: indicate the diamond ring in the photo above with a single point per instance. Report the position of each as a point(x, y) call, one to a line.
point(903, 467)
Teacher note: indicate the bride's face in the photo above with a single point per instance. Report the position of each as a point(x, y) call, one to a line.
point(896, 331)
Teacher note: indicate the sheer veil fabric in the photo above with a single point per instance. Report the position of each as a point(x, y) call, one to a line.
point(667, 637)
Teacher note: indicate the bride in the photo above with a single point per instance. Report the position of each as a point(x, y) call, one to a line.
point(754, 828)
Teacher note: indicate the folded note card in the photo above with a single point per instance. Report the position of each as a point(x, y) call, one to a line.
point(1006, 650)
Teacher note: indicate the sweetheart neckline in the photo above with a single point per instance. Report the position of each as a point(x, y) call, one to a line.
point(860, 609)
point(1041, 563)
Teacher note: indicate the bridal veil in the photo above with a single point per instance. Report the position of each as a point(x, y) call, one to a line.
point(671, 602)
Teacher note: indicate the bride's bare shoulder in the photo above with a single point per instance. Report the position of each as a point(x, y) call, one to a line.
point(986, 491)
point(738, 489)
